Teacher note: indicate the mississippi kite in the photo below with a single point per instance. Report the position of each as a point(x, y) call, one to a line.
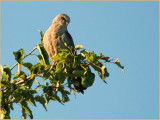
point(54, 39)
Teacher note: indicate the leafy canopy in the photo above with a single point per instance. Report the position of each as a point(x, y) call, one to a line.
point(69, 74)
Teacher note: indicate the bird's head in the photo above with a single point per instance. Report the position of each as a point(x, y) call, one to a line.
point(61, 19)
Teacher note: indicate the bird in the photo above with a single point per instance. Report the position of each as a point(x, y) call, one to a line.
point(56, 35)
point(54, 39)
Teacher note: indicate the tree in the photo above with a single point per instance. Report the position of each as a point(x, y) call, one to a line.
point(60, 77)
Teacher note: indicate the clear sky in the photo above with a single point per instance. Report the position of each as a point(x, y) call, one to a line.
point(125, 30)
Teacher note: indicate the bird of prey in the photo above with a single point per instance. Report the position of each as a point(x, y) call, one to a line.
point(56, 35)
point(54, 39)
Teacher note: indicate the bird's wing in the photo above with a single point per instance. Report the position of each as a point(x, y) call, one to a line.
point(70, 40)
point(50, 39)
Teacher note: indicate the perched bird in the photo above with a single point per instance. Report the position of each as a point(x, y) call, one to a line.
point(56, 35)
point(54, 39)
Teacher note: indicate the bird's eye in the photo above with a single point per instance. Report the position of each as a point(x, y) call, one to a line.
point(63, 18)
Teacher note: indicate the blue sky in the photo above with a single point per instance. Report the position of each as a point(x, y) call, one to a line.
point(125, 30)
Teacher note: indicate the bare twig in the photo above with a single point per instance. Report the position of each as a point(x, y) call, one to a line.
point(25, 57)
point(40, 75)
point(27, 78)
point(22, 81)
point(99, 62)
point(33, 54)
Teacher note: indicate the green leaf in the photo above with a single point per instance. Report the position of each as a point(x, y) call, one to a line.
point(6, 77)
point(46, 89)
point(40, 59)
point(37, 69)
point(78, 73)
point(5, 84)
point(33, 101)
point(102, 57)
point(102, 70)
point(43, 54)
point(68, 46)
point(11, 106)
point(30, 81)
point(19, 55)
point(77, 60)
point(117, 62)
point(2, 97)
point(65, 99)
point(30, 102)
point(7, 72)
point(92, 57)
point(59, 66)
point(41, 33)
point(24, 105)
point(41, 100)
point(28, 94)
point(61, 56)
point(16, 96)
point(62, 90)
point(47, 74)
point(69, 82)
point(64, 93)
point(105, 58)
point(73, 91)
point(79, 47)
point(22, 75)
point(55, 97)
point(24, 115)
point(88, 80)
point(84, 53)
point(28, 66)
point(60, 76)
point(16, 76)
point(47, 99)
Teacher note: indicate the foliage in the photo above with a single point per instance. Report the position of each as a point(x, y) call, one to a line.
point(72, 72)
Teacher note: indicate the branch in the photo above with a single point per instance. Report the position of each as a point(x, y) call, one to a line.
point(99, 62)
point(24, 100)
point(25, 57)
point(22, 81)
point(27, 78)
